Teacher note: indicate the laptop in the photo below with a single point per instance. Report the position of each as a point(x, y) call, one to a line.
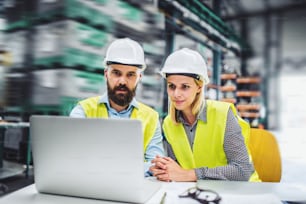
point(90, 158)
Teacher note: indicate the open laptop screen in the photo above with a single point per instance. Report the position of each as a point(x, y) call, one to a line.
point(95, 158)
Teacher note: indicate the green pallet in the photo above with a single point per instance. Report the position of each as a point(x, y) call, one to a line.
point(102, 2)
point(72, 58)
point(93, 80)
point(13, 109)
point(131, 13)
point(74, 9)
point(22, 24)
point(46, 110)
point(64, 108)
point(95, 37)
point(101, 19)
point(70, 8)
point(67, 104)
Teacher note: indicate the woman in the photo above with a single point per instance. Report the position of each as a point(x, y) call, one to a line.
point(204, 137)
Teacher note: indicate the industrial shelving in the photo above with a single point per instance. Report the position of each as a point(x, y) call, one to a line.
point(202, 25)
point(58, 48)
point(228, 87)
point(249, 99)
point(53, 40)
point(41, 22)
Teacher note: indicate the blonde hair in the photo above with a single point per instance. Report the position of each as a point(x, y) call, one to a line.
point(196, 105)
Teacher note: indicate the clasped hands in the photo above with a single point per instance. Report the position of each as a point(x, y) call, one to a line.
point(166, 169)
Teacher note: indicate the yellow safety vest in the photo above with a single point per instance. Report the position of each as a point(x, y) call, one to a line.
point(209, 138)
point(148, 116)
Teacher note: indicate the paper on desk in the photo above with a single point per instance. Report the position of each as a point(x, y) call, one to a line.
point(172, 189)
point(250, 199)
point(172, 198)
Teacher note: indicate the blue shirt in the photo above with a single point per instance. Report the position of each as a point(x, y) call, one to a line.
point(155, 146)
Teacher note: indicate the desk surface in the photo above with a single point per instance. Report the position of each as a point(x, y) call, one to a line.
point(14, 124)
point(231, 192)
point(292, 192)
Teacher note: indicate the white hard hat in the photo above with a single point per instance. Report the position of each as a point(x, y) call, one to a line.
point(125, 51)
point(187, 62)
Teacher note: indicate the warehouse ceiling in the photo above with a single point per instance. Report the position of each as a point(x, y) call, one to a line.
point(283, 35)
point(236, 9)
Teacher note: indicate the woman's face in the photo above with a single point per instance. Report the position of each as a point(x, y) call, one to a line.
point(182, 91)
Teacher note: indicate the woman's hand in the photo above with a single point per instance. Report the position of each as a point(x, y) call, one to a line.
point(159, 168)
point(166, 169)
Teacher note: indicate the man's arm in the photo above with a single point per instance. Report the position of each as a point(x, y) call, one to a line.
point(155, 147)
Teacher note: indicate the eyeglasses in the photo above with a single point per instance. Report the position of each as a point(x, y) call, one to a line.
point(203, 196)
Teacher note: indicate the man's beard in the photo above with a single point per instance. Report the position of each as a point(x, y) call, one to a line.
point(121, 99)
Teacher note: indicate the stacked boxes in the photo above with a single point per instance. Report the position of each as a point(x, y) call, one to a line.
point(16, 43)
point(80, 10)
point(70, 41)
point(15, 13)
point(62, 88)
point(58, 47)
point(70, 44)
point(15, 93)
point(50, 85)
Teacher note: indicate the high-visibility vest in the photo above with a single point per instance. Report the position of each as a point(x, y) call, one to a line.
point(148, 116)
point(208, 143)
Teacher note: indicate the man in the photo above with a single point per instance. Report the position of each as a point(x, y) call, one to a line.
point(124, 63)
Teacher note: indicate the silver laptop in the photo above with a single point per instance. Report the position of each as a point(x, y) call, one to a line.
point(92, 158)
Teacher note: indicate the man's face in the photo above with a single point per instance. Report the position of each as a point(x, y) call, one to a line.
point(122, 81)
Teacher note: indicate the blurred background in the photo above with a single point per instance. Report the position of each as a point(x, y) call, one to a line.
point(51, 54)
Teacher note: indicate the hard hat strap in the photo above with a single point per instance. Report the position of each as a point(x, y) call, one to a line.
point(195, 76)
point(134, 65)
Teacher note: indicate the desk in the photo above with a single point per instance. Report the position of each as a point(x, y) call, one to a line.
point(5, 125)
point(230, 191)
point(293, 192)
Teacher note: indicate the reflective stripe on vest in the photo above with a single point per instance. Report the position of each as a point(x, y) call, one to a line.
point(149, 117)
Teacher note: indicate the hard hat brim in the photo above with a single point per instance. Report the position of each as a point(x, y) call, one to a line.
point(195, 76)
point(140, 66)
